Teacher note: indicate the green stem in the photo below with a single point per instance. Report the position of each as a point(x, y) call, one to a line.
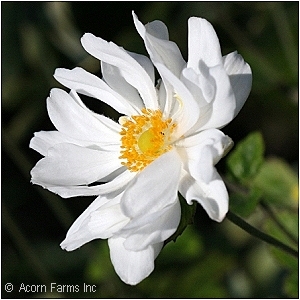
point(259, 234)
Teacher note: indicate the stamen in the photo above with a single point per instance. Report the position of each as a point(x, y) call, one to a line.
point(144, 138)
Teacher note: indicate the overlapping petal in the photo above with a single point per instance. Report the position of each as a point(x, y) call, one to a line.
point(212, 196)
point(68, 164)
point(224, 102)
point(77, 122)
point(132, 266)
point(188, 109)
point(203, 44)
point(113, 77)
point(116, 184)
point(160, 49)
point(156, 227)
point(91, 85)
point(202, 151)
point(129, 68)
point(161, 179)
point(85, 228)
point(43, 140)
point(240, 77)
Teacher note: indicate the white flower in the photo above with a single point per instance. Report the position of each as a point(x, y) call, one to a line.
point(166, 141)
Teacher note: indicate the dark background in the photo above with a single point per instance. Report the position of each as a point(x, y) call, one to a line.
point(209, 259)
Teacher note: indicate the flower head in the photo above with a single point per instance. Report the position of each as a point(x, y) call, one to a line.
point(166, 141)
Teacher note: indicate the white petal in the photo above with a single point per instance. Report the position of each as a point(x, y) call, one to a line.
point(91, 85)
point(116, 81)
point(106, 121)
point(189, 110)
point(160, 49)
point(154, 187)
point(213, 196)
point(202, 151)
point(132, 266)
point(100, 220)
point(77, 122)
point(154, 228)
point(117, 184)
point(78, 233)
point(240, 77)
point(203, 44)
point(146, 63)
point(107, 220)
point(224, 103)
point(43, 140)
point(129, 68)
point(202, 85)
point(68, 164)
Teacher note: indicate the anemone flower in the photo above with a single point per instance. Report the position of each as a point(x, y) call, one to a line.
point(166, 141)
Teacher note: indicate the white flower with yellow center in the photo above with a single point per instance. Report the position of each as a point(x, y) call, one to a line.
point(166, 141)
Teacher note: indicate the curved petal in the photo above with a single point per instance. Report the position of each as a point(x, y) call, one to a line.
point(117, 184)
point(203, 44)
point(113, 78)
point(188, 112)
point(129, 68)
point(43, 140)
point(107, 221)
point(154, 187)
point(90, 225)
point(116, 81)
point(77, 234)
point(75, 121)
point(154, 228)
point(160, 49)
point(111, 124)
point(68, 164)
point(202, 151)
point(213, 196)
point(146, 63)
point(202, 85)
point(224, 103)
point(90, 85)
point(240, 76)
point(132, 266)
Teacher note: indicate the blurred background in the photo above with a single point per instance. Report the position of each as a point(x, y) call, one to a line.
point(209, 260)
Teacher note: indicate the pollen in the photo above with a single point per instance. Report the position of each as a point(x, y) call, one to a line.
point(144, 138)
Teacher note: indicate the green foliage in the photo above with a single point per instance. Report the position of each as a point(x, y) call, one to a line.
point(255, 179)
point(243, 165)
point(244, 162)
point(243, 203)
point(278, 183)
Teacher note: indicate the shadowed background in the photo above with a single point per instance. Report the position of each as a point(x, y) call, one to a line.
point(209, 259)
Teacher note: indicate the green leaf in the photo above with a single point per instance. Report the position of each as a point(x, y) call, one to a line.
point(244, 204)
point(244, 162)
point(278, 183)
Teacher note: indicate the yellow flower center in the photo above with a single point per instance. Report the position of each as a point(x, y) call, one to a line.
point(144, 138)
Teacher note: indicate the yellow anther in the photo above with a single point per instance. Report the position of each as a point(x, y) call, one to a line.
point(144, 138)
